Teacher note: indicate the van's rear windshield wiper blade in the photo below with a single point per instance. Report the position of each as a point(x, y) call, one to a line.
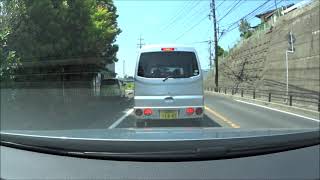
point(174, 77)
point(166, 78)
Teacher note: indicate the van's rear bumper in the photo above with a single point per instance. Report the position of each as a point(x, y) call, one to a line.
point(180, 110)
point(168, 101)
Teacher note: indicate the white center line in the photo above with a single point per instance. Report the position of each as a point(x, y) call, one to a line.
point(117, 122)
point(317, 120)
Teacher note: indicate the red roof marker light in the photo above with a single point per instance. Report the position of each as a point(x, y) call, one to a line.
point(167, 49)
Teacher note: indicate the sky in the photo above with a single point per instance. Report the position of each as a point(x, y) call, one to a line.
point(180, 22)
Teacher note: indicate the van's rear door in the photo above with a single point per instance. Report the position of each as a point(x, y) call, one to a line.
point(169, 78)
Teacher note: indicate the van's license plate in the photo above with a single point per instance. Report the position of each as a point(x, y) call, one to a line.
point(168, 114)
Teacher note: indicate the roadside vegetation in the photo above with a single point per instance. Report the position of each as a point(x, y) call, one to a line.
point(129, 86)
point(48, 30)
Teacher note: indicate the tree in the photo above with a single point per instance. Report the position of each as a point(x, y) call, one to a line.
point(9, 62)
point(220, 51)
point(60, 29)
point(245, 29)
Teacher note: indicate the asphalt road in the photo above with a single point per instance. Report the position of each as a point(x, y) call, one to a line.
point(40, 111)
point(247, 115)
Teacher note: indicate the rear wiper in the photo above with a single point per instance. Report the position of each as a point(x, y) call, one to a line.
point(167, 78)
point(174, 77)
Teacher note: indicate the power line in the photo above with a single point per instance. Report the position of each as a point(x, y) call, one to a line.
point(230, 10)
point(191, 27)
point(186, 18)
point(255, 9)
point(251, 12)
point(194, 16)
point(220, 4)
point(206, 35)
point(236, 22)
point(262, 10)
point(179, 14)
point(199, 42)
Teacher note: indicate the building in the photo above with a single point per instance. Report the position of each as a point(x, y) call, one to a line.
point(296, 6)
point(268, 15)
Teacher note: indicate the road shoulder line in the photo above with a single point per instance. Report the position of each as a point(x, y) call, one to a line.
point(262, 101)
point(278, 110)
point(117, 122)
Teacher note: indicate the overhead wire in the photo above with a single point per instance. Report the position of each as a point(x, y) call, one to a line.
point(173, 23)
point(263, 4)
point(230, 10)
point(220, 4)
point(232, 7)
point(178, 14)
point(259, 8)
point(194, 16)
point(244, 17)
point(192, 27)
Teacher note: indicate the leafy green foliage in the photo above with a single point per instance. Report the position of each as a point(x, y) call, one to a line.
point(59, 29)
point(245, 29)
point(8, 60)
point(220, 51)
point(129, 86)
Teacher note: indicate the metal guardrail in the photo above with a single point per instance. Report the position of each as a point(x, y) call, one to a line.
point(291, 99)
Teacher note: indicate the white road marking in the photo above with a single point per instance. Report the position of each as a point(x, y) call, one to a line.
point(232, 96)
point(317, 120)
point(117, 122)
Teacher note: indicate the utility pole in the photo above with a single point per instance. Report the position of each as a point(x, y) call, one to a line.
point(140, 44)
point(291, 40)
point(216, 80)
point(276, 6)
point(210, 53)
point(209, 50)
point(123, 68)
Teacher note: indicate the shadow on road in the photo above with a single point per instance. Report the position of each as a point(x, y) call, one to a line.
point(45, 109)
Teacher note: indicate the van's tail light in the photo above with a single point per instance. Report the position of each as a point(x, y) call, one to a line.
point(199, 111)
point(189, 111)
point(147, 112)
point(138, 112)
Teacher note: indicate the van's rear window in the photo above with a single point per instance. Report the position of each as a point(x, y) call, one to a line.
point(176, 64)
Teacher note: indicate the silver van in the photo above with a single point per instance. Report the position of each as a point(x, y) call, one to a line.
point(168, 83)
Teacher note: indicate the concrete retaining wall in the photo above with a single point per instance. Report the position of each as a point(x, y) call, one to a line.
point(261, 58)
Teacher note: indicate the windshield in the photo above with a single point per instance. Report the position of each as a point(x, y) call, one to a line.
point(184, 69)
point(171, 64)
